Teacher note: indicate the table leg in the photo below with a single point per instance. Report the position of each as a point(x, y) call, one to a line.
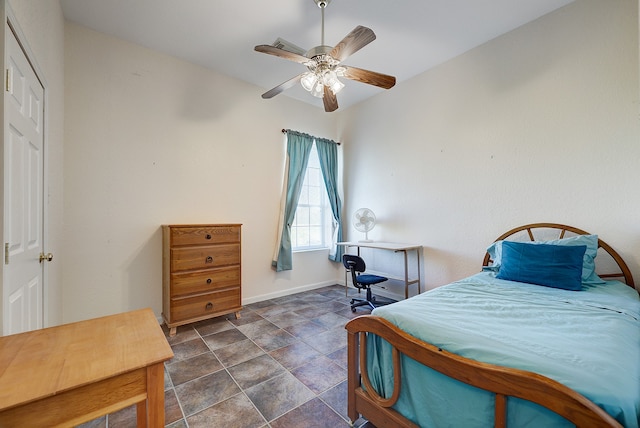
point(155, 397)
point(141, 414)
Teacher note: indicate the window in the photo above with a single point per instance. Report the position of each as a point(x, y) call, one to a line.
point(313, 224)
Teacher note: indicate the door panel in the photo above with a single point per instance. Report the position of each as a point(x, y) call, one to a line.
point(34, 197)
point(23, 286)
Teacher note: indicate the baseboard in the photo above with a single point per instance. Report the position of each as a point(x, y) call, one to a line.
point(287, 292)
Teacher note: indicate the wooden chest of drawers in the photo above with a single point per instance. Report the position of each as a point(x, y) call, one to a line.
point(200, 272)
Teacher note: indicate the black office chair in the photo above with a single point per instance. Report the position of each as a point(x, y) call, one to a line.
point(356, 266)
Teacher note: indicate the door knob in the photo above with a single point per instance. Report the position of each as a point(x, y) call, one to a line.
point(48, 257)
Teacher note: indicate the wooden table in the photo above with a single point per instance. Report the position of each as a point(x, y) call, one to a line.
point(70, 374)
point(397, 248)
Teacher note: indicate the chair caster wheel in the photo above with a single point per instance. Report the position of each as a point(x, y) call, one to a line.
point(352, 302)
point(353, 310)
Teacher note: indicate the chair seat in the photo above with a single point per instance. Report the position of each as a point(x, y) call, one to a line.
point(368, 279)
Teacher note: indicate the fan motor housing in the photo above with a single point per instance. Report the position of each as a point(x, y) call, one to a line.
point(318, 50)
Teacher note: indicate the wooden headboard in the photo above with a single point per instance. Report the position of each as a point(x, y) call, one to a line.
point(613, 267)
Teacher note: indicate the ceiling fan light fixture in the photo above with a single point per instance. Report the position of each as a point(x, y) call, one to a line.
point(337, 86)
point(318, 90)
point(315, 81)
point(330, 79)
point(308, 80)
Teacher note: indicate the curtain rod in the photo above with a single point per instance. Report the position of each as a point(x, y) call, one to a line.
point(285, 130)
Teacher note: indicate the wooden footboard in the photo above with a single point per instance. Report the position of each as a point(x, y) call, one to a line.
point(504, 382)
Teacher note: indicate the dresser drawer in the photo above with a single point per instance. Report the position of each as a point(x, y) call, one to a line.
point(223, 301)
point(204, 257)
point(204, 281)
point(203, 235)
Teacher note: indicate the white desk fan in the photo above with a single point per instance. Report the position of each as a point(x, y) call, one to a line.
point(364, 220)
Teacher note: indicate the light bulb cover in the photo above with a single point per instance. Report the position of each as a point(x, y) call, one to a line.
point(308, 80)
point(330, 79)
point(318, 90)
point(336, 86)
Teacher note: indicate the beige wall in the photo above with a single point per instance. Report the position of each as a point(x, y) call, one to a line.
point(42, 24)
point(539, 125)
point(152, 140)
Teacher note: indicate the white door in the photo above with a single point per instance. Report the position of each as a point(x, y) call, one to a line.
point(23, 192)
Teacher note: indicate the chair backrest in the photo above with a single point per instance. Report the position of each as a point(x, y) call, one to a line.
point(355, 265)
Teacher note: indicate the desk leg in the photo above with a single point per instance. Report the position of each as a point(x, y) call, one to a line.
point(418, 260)
point(406, 276)
point(151, 412)
point(406, 272)
point(346, 285)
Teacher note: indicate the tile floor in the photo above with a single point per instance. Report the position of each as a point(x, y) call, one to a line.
point(283, 364)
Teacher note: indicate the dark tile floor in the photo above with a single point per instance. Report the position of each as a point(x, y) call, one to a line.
point(283, 364)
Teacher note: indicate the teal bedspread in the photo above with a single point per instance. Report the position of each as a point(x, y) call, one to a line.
point(588, 340)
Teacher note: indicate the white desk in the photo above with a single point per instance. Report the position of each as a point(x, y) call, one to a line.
point(396, 248)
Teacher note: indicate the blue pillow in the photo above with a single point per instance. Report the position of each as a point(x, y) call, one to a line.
point(589, 275)
point(557, 266)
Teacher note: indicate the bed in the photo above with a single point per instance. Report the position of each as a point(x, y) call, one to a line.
point(496, 350)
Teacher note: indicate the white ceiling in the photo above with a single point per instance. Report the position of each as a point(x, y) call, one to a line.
point(412, 35)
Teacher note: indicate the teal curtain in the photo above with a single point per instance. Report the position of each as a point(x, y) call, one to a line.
point(328, 154)
point(298, 149)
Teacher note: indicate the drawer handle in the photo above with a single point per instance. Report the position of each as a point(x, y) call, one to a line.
point(208, 236)
point(209, 306)
point(209, 260)
point(208, 280)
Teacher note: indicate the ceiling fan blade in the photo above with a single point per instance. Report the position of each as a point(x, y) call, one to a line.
point(369, 77)
point(358, 38)
point(282, 87)
point(330, 101)
point(291, 56)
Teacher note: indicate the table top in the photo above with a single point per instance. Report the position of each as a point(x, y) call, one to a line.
point(42, 363)
point(381, 245)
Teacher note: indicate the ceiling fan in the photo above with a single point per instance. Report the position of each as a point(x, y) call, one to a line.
point(324, 64)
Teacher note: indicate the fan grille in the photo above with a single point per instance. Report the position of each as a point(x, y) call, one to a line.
point(364, 220)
